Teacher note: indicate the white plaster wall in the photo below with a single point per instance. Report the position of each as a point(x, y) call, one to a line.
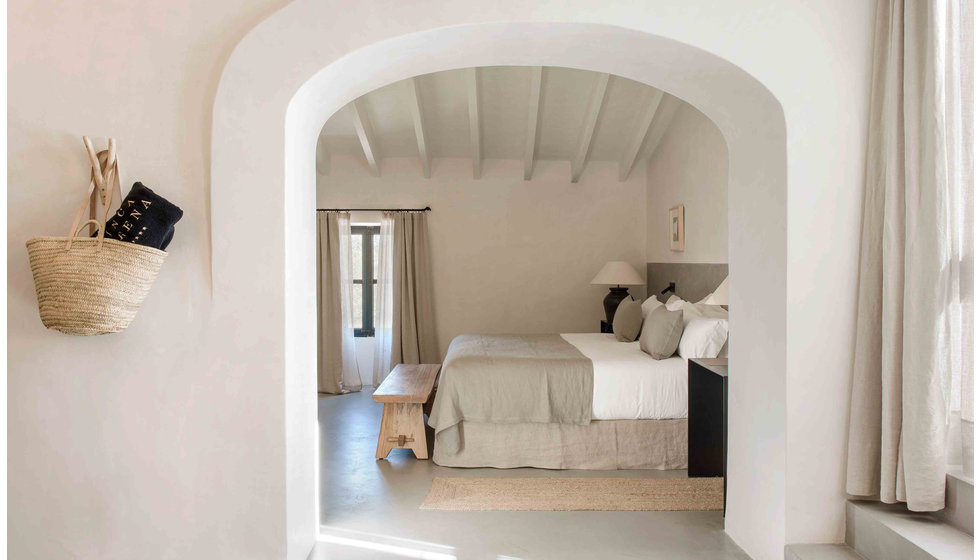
point(167, 441)
point(139, 444)
point(690, 167)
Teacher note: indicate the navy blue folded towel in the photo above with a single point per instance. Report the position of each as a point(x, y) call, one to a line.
point(144, 218)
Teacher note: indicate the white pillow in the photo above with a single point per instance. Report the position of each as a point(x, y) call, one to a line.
point(695, 310)
point(703, 337)
point(674, 303)
point(649, 305)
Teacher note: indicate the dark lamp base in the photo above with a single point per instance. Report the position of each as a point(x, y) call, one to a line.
point(612, 300)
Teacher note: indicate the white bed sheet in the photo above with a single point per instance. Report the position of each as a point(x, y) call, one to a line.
point(628, 384)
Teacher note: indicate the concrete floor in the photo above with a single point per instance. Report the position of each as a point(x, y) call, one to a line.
point(369, 508)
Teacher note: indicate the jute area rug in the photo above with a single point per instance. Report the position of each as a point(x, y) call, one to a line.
point(575, 494)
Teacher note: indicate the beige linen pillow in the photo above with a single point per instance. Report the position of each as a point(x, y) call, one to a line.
point(627, 320)
point(662, 331)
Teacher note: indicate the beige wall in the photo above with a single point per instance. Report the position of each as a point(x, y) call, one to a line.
point(509, 255)
point(690, 167)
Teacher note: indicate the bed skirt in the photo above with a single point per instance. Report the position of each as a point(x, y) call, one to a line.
point(601, 445)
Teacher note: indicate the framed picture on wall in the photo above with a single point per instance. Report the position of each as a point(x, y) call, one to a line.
point(676, 223)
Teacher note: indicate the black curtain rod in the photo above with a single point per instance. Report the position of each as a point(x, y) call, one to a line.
point(426, 209)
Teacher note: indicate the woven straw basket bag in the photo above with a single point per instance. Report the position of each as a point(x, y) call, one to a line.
point(92, 285)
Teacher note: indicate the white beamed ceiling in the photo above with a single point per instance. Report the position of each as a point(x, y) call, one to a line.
point(504, 98)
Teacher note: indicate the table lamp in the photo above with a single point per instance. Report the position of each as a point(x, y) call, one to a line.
point(616, 274)
point(720, 295)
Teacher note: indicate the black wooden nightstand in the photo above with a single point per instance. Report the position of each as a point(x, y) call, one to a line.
point(605, 327)
point(707, 417)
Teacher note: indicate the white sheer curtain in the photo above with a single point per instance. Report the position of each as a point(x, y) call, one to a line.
point(958, 98)
point(383, 309)
point(351, 372)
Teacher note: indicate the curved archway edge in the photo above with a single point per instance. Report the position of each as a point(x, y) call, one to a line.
point(267, 116)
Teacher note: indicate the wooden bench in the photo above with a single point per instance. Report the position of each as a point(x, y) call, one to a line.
point(405, 392)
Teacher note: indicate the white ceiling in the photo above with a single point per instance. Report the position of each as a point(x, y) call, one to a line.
point(629, 113)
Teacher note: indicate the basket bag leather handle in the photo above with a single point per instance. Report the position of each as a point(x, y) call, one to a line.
point(105, 172)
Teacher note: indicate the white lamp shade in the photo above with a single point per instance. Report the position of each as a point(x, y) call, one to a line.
point(720, 295)
point(618, 273)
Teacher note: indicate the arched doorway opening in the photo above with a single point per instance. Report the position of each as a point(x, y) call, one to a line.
point(264, 140)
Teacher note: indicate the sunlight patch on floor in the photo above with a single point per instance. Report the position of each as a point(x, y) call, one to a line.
point(406, 548)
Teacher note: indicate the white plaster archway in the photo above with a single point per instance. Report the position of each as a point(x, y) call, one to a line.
point(289, 75)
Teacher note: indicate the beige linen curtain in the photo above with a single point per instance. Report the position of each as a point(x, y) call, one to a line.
point(913, 255)
point(405, 316)
point(337, 370)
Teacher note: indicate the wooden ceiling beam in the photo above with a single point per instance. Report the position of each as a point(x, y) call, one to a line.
point(366, 136)
point(473, 98)
point(640, 130)
point(658, 128)
point(415, 104)
point(531, 137)
point(588, 125)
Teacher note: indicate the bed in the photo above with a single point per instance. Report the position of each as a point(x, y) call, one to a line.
point(569, 401)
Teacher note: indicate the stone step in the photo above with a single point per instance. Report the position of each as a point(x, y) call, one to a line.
point(959, 502)
point(890, 532)
point(821, 552)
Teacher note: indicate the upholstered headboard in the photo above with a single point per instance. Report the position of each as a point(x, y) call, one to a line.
point(692, 281)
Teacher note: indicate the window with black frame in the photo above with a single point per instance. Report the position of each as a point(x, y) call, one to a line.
point(364, 253)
